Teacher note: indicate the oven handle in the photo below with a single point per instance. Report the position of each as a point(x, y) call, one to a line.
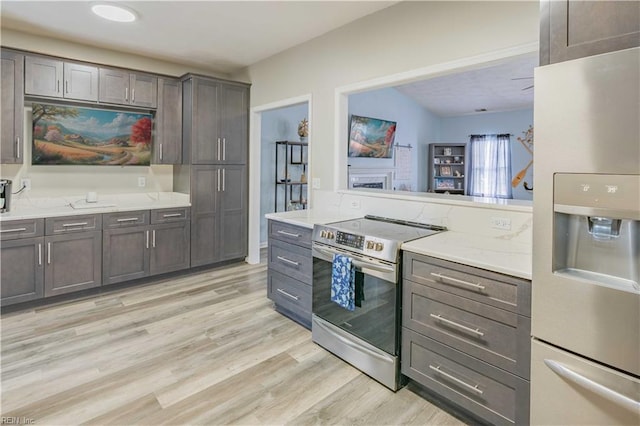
point(595, 387)
point(359, 263)
point(350, 343)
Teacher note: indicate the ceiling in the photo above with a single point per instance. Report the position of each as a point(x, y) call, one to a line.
point(226, 36)
point(222, 36)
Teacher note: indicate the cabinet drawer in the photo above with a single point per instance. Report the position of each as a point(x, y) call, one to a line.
point(496, 336)
point(488, 392)
point(291, 260)
point(125, 219)
point(14, 229)
point(292, 295)
point(66, 224)
point(502, 291)
point(290, 233)
point(169, 215)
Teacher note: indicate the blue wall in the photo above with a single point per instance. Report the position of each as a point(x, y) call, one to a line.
point(419, 127)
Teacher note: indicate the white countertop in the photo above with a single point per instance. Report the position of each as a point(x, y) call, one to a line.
point(494, 254)
point(308, 218)
point(30, 207)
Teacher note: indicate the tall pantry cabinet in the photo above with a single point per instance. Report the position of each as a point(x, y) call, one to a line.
point(214, 170)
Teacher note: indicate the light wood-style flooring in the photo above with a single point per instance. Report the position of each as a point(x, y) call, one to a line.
point(205, 348)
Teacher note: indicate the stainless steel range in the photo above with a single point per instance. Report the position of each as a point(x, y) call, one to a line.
point(368, 337)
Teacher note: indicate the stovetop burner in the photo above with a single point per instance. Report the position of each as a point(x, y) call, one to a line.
point(374, 236)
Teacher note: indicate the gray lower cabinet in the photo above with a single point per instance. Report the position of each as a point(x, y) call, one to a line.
point(12, 124)
point(22, 252)
point(144, 243)
point(290, 271)
point(466, 336)
point(219, 213)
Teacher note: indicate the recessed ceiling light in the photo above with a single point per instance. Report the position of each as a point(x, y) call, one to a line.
point(114, 12)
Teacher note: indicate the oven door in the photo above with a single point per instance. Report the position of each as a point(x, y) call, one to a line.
point(375, 318)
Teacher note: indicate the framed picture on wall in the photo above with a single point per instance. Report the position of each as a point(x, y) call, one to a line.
point(445, 170)
point(371, 137)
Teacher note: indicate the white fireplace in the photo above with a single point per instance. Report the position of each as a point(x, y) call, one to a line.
point(370, 178)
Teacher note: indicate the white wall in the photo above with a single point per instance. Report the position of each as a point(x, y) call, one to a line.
point(404, 37)
point(458, 129)
point(277, 125)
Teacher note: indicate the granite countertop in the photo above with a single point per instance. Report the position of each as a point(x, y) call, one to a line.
point(494, 254)
point(308, 218)
point(31, 207)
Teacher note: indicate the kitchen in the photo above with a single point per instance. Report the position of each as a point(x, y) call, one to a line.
point(297, 71)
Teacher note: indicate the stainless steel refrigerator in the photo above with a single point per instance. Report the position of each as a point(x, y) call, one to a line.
point(585, 363)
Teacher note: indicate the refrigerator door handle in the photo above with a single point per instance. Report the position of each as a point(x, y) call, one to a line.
point(597, 388)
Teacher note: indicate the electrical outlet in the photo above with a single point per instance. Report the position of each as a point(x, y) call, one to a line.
point(142, 181)
point(501, 223)
point(26, 184)
point(355, 204)
point(315, 183)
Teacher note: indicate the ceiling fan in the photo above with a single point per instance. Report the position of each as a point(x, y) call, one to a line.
point(524, 78)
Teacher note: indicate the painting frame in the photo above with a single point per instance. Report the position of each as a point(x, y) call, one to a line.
point(371, 137)
point(445, 171)
point(64, 134)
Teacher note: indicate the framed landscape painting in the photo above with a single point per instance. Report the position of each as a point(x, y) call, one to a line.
point(371, 137)
point(87, 136)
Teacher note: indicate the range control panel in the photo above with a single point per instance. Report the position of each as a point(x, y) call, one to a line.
point(350, 240)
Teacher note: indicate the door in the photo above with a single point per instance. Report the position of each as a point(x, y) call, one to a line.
point(170, 250)
point(73, 262)
point(569, 389)
point(22, 270)
point(206, 143)
point(114, 86)
point(12, 108)
point(80, 82)
point(168, 135)
point(125, 254)
point(204, 214)
point(233, 122)
point(43, 77)
point(144, 90)
point(233, 213)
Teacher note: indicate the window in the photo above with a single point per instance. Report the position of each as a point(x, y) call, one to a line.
point(490, 166)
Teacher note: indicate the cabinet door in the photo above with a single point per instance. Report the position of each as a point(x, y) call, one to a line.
point(232, 243)
point(73, 262)
point(144, 90)
point(233, 122)
point(170, 250)
point(12, 108)
point(80, 82)
point(204, 214)
point(125, 254)
point(206, 143)
point(114, 86)
point(22, 272)
point(571, 29)
point(43, 77)
point(168, 138)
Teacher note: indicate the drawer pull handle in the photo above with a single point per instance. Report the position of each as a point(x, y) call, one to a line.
point(69, 225)
point(290, 262)
point(455, 324)
point(456, 380)
point(13, 230)
point(457, 281)
point(279, 290)
point(289, 234)
point(128, 219)
point(172, 215)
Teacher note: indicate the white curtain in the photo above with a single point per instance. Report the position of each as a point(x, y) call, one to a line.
point(490, 166)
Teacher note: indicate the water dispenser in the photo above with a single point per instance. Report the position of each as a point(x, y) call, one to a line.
point(597, 229)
